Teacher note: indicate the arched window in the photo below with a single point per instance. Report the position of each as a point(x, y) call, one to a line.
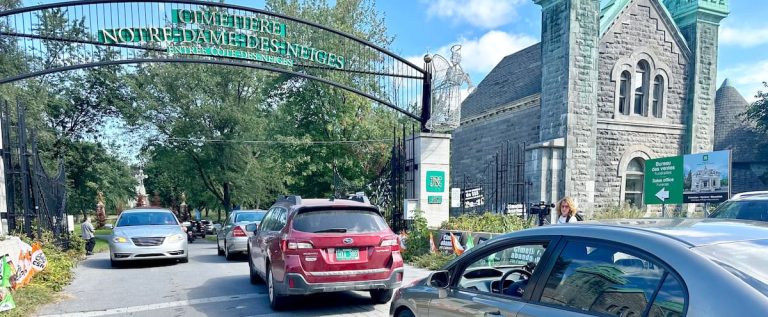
point(641, 88)
point(658, 96)
point(624, 93)
point(633, 182)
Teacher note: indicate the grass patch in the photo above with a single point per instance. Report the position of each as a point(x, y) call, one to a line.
point(28, 299)
point(56, 275)
point(210, 237)
point(101, 246)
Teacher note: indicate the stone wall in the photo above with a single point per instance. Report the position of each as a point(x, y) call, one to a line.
point(702, 38)
point(640, 32)
point(477, 139)
point(749, 177)
point(569, 38)
point(620, 142)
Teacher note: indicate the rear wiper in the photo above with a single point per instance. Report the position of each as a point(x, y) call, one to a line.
point(339, 230)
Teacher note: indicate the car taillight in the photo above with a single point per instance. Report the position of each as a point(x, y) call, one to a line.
point(238, 232)
point(299, 245)
point(393, 243)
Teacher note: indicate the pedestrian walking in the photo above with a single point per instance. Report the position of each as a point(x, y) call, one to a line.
point(88, 234)
point(567, 211)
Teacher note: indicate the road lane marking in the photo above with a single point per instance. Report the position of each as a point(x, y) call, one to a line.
point(141, 308)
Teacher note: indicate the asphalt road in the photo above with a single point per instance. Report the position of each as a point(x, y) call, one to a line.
point(206, 286)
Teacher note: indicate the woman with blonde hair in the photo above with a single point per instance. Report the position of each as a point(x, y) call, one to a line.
point(567, 211)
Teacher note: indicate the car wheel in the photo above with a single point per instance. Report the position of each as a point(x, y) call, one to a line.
point(184, 260)
point(255, 278)
point(276, 301)
point(381, 296)
point(218, 247)
point(405, 313)
point(228, 255)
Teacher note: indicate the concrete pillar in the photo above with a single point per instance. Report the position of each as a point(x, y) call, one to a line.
point(432, 157)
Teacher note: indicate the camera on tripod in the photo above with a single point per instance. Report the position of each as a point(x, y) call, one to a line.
point(543, 210)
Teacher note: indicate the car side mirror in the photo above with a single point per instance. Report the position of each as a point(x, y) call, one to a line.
point(109, 226)
point(440, 280)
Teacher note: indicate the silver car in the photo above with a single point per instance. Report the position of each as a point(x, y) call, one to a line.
point(147, 234)
point(649, 267)
point(232, 239)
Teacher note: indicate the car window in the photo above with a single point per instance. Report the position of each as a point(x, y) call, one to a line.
point(249, 216)
point(608, 280)
point(281, 216)
point(743, 209)
point(149, 218)
point(339, 220)
point(670, 301)
point(266, 223)
point(484, 274)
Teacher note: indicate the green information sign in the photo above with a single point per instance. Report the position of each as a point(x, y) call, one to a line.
point(434, 200)
point(435, 181)
point(663, 181)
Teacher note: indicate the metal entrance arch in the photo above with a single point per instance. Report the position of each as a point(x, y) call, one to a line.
point(191, 31)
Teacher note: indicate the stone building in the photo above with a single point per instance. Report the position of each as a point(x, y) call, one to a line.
point(749, 149)
point(605, 90)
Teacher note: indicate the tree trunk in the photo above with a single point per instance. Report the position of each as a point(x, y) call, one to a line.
point(227, 198)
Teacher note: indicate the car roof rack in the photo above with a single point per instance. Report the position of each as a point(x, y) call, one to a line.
point(295, 199)
point(359, 197)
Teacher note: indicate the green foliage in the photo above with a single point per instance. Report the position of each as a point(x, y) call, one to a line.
point(624, 211)
point(90, 169)
point(432, 261)
point(486, 222)
point(417, 242)
point(757, 112)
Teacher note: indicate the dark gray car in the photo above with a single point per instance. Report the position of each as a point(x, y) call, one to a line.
point(649, 267)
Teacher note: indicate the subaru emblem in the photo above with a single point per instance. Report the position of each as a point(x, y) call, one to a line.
point(348, 240)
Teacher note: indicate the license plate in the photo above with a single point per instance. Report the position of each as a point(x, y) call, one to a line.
point(347, 254)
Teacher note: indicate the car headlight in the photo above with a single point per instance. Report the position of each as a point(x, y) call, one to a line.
point(118, 239)
point(177, 237)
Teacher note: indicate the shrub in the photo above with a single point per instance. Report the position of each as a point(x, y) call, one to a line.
point(623, 211)
point(417, 242)
point(432, 261)
point(487, 222)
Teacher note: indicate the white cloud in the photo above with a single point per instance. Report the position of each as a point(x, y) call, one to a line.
point(480, 55)
point(747, 78)
point(481, 13)
point(744, 37)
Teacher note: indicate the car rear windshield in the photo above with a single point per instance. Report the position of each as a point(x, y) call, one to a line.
point(743, 209)
point(148, 218)
point(746, 260)
point(249, 216)
point(339, 221)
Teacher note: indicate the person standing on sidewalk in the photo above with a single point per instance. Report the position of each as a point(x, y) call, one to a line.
point(88, 234)
point(567, 211)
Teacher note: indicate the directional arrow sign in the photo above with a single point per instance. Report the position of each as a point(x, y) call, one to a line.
point(664, 181)
point(663, 194)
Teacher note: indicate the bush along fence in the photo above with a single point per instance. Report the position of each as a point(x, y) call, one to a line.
point(432, 249)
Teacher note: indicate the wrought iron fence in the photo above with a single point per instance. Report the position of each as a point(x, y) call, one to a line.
point(500, 188)
point(35, 201)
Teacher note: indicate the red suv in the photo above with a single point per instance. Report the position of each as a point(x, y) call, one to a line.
point(305, 246)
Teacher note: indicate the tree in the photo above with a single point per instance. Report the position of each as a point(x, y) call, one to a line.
point(202, 118)
point(91, 169)
point(757, 112)
point(308, 111)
